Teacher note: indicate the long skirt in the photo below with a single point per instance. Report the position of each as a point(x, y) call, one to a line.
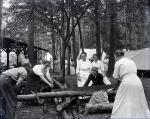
point(99, 97)
point(33, 83)
point(130, 101)
point(8, 97)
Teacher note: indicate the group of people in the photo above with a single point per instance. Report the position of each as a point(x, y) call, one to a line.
point(84, 67)
point(11, 79)
point(130, 100)
point(92, 73)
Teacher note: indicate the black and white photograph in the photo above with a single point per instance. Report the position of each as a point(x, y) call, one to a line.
point(74, 59)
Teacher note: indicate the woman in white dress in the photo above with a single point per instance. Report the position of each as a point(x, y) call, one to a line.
point(98, 64)
point(83, 69)
point(130, 101)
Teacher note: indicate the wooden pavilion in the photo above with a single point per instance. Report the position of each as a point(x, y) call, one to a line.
point(8, 45)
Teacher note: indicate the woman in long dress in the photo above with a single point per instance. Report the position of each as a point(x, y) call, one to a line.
point(83, 69)
point(130, 101)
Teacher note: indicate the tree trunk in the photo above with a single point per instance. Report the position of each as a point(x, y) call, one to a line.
point(53, 47)
point(63, 58)
point(31, 38)
point(73, 37)
point(97, 24)
point(60, 49)
point(81, 40)
point(69, 55)
point(74, 45)
point(1, 3)
point(62, 37)
point(112, 44)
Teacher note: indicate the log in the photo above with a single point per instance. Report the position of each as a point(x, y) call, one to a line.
point(84, 91)
point(102, 107)
point(65, 115)
point(45, 95)
point(58, 78)
point(58, 84)
point(65, 104)
point(67, 99)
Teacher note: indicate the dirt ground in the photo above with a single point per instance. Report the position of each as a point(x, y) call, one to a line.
point(36, 112)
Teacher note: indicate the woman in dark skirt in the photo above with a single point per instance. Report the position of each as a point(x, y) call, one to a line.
point(9, 80)
point(39, 75)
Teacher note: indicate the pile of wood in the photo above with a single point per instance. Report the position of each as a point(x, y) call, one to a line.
point(69, 95)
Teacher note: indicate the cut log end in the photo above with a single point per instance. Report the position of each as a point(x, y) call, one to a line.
point(59, 108)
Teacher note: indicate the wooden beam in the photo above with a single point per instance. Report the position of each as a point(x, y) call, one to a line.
point(73, 92)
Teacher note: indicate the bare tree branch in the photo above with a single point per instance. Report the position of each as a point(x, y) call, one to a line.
point(78, 19)
point(51, 23)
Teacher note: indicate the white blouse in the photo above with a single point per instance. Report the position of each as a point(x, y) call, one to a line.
point(83, 68)
point(123, 67)
point(99, 65)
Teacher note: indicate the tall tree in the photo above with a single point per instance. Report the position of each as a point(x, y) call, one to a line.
point(81, 39)
point(97, 24)
point(112, 37)
point(74, 45)
point(31, 30)
point(1, 3)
